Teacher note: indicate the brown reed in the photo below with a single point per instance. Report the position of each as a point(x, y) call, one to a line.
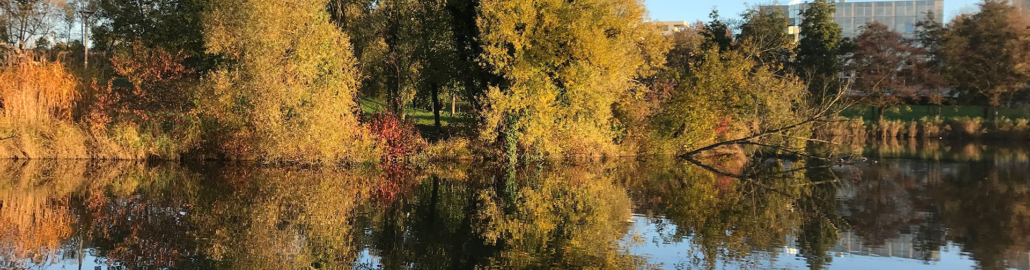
point(34, 89)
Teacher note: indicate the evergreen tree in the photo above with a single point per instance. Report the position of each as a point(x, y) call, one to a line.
point(930, 35)
point(819, 50)
point(717, 33)
point(929, 71)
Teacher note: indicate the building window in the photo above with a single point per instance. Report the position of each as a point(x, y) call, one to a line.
point(884, 9)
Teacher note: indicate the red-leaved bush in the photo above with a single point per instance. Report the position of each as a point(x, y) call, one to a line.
point(399, 138)
point(160, 81)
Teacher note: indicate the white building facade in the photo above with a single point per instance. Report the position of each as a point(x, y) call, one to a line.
point(899, 16)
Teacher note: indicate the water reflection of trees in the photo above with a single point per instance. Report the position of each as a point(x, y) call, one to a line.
point(980, 206)
point(139, 216)
point(463, 216)
point(732, 220)
point(541, 217)
point(143, 217)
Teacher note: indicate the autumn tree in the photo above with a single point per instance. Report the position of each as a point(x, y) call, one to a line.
point(727, 96)
point(564, 64)
point(882, 65)
point(987, 54)
point(818, 54)
point(287, 91)
point(686, 48)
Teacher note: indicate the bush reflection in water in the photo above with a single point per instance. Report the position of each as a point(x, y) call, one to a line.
point(145, 216)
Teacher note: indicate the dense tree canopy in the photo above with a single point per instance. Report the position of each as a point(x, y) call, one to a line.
point(726, 96)
point(987, 54)
point(565, 64)
point(308, 81)
point(717, 33)
point(762, 35)
point(172, 25)
point(287, 92)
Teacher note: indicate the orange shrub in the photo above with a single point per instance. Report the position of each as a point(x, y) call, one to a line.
point(33, 89)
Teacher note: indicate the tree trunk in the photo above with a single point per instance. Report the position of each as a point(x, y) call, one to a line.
point(452, 104)
point(436, 105)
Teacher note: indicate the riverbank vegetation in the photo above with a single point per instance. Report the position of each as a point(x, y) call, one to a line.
point(333, 81)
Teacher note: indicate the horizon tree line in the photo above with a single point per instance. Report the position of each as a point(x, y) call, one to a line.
point(540, 78)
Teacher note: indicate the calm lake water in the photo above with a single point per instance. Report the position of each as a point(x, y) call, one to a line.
point(910, 205)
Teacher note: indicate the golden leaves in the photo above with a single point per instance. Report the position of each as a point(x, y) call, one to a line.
point(291, 86)
point(566, 64)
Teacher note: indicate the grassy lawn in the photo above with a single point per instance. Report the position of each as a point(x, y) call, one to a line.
point(423, 118)
point(915, 112)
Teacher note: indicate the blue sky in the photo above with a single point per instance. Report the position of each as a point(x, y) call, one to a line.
point(693, 10)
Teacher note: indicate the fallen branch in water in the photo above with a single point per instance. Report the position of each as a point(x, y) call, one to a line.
point(737, 176)
point(822, 115)
point(10, 137)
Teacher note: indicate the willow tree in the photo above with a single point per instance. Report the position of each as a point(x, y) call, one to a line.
point(564, 64)
point(287, 89)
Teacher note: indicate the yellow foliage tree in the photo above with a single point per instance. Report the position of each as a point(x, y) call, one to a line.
point(287, 92)
point(564, 64)
point(726, 96)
